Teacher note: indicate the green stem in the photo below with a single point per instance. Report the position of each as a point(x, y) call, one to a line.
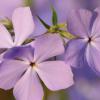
point(45, 96)
point(46, 93)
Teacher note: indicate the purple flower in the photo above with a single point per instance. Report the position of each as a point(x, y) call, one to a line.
point(86, 47)
point(23, 26)
point(85, 90)
point(28, 65)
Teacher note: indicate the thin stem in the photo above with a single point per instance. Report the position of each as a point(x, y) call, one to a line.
point(46, 94)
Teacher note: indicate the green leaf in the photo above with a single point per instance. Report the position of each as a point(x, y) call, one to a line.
point(54, 16)
point(43, 22)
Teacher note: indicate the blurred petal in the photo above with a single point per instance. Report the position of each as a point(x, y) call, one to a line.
point(97, 10)
point(93, 57)
point(47, 46)
point(23, 53)
point(28, 87)
point(10, 73)
point(79, 22)
point(5, 38)
point(96, 27)
point(7, 7)
point(69, 5)
point(56, 75)
point(23, 24)
point(96, 43)
point(74, 54)
point(2, 56)
point(97, 5)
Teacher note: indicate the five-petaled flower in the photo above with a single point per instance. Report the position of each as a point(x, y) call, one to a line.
point(23, 66)
point(86, 47)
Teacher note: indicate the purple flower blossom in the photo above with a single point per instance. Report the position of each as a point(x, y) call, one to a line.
point(85, 48)
point(23, 26)
point(22, 72)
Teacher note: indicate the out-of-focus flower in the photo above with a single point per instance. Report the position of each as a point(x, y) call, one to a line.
point(86, 84)
point(85, 90)
point(8, 6)
point(85, 48)
point(89, 90)
point(89, 4)
point(44, 11)
point(21, 72)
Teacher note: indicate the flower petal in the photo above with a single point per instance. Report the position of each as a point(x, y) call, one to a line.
point(2, 56)
point(97, 10)
point(79, 22)
point(28, 87)
point(56, 75)
point(74, 54)
point(23, 53)
point(96, 27)
point(10, 73)
point(47, 46)
point(93, 57)
point(23, 24)
point(5, 38)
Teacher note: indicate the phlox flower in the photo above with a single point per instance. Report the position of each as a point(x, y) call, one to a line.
point(85, 49)
point(23, 25)
point(26, 66)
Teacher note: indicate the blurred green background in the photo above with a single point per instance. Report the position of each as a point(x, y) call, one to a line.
point(6, 95)
point(60, 95)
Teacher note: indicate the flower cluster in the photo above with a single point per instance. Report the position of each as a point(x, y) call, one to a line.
point(28, 62)
point(25, 64)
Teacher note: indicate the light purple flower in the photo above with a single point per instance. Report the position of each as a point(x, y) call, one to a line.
point(86, 47)
point(23, 74)
point(23, 26)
